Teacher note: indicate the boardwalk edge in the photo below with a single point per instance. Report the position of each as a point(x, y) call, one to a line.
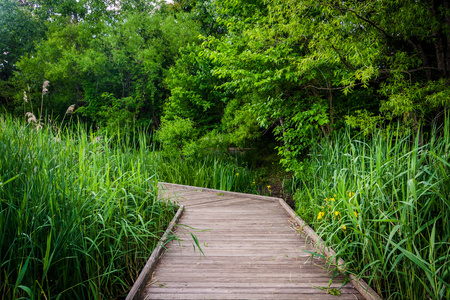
point(366, 291)
point(149, 267)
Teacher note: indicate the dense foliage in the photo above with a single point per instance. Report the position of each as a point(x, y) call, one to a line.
point(232, 69)
point(303, 66)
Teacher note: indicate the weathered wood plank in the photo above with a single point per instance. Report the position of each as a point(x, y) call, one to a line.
point(240, 273)
point(246, 290)
point(267, 281)
point(216, 295)
point(255, 286)
point(168, 186)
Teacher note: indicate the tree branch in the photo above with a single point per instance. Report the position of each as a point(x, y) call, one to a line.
point(343, 60)
point(418, 47)
point(387, 71)
point(343, 9)
point(342, 87)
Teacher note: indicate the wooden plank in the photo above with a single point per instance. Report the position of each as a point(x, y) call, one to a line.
point(224, 244)
point(245, 290)
point(240, 285)
point(250, 259)
point(274, 269)
point(216, 295)
point(151, 263)
point(268, 281)
point(243, 273)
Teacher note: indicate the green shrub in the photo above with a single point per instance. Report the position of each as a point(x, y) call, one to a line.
point(175, 134)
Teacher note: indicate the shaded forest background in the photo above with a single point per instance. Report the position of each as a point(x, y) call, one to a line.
point(208, 75)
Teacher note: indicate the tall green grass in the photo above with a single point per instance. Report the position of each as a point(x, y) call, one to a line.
point(210, 172)
point(383, 203)
point(78, 214)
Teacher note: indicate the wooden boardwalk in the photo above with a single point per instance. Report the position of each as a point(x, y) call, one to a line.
point(251, 249)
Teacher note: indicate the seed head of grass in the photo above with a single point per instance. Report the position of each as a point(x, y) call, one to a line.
point(70, 109)
point(45, 87)
point(25, 98)
point(31, 117)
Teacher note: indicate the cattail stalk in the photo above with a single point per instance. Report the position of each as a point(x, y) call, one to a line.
point(44, 92)
point(69, 110)
point(25, 100)
point(29, 93)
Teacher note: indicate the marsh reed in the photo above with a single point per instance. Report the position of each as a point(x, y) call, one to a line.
point(78, 214)
point(383, 203)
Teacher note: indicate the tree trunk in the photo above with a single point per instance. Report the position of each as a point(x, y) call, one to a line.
point(440, 56)
point(447, 31)
point(425, 63)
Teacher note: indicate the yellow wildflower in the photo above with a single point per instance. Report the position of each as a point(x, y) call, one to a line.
point(350, 194)
point(336, 213)
point(237, 174)
point(356, 214)
point(344, 227)
point(321, 214)
point(268, 187)
point(332, 199)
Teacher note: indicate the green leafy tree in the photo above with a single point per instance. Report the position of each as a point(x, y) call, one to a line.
point(193, 90)
point(19, 31)
point(304, 65)
point(110, 70)
point(204, 12)
point(218, 116)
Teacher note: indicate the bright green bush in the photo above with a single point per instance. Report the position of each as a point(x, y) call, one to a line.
point(175, 134)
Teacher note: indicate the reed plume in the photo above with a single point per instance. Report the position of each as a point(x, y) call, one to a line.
point(45, 87)
point(44, 92)
point(25, 100)
point(31, 117)
point(70, 109)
